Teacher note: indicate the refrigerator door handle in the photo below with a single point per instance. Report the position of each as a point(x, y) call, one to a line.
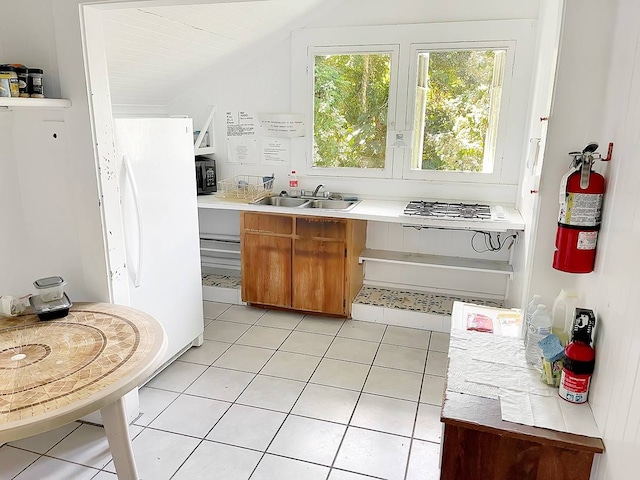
point(136, 200)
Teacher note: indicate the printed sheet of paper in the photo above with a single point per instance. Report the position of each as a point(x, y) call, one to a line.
point(241, 137)
point(283, 125)
point(275, 151)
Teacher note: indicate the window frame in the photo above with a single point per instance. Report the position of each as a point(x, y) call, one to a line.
point(394, 53)
point(517, 36)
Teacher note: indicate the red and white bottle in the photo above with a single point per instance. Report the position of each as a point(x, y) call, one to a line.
point(580, 359)
point(294, 190)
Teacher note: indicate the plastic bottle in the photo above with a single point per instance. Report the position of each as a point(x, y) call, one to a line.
point(539, 328)
point(533, 305)
point(294, 191)
point(563, 314)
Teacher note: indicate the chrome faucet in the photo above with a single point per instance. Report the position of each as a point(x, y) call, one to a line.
point(315, 192)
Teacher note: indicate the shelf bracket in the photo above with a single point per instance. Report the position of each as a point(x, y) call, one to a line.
point(207, 127)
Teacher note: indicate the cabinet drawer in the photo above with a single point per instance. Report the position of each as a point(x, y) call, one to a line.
point(261, 222)
point(321, 228)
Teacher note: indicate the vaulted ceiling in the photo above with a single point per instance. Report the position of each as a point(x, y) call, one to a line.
point(153, 53)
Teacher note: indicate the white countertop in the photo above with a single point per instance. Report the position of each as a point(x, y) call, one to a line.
point(374, 210)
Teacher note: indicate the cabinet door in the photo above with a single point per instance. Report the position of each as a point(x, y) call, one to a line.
point(266, 269)
point(318, 276)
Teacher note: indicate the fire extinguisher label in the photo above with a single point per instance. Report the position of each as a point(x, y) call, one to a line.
point(581, 209)
point(587, 240)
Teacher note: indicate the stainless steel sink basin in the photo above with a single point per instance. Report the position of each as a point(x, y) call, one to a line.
point(282, 201)
point(331, 204)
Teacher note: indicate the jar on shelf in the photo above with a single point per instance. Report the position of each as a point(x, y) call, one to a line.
point(34, 83)
point(23, 80)
point(9, 73)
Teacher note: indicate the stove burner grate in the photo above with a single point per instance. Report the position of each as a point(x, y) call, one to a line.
point(449, 211)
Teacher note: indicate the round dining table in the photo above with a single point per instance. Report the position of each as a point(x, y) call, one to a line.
point(57, 371)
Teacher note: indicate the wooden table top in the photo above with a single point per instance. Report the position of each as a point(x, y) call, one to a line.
point(53, 372)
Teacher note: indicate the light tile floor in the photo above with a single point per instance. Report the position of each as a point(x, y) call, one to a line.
point(271, 395)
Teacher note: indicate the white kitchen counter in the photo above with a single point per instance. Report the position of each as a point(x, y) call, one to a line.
point(374, 210)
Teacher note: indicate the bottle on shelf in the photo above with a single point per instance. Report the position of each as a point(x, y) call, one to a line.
point(533, 305)
point(294, 190)
point(563, 313)
point(539, 327)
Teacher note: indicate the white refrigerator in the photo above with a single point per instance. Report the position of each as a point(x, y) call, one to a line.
point(160, 224)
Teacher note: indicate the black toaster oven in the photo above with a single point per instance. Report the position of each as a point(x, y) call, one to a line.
point(205, 175)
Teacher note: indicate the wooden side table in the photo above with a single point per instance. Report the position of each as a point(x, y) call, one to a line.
point(478, 445)
point(54, 372)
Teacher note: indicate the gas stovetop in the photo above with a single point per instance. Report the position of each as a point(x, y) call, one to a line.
point(448, 211)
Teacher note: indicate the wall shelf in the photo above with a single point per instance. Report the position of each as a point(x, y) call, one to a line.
point(437, 261)
point(206, 128)
point(14, 102)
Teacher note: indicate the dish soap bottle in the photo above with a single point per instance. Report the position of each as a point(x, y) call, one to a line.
point(539, 328)
point(294, 191)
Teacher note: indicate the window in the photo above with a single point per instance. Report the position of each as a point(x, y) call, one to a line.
point(440, 102)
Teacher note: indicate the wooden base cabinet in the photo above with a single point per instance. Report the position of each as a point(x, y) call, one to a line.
point(302, 263)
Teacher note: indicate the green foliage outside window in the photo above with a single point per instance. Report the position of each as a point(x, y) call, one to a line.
point(351, 99)
point(462, 102)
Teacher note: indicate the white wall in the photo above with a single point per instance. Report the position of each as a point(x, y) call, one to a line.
point(613, 289)
point(260, 81)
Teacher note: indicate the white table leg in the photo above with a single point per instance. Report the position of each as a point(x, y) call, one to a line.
point(114, 417)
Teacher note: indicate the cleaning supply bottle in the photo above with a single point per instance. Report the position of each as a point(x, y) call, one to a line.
point(563, 313)
point(539, 328)
point(294, 191)
point(533, 305)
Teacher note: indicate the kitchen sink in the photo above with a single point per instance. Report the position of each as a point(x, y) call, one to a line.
point(282, 201)
point(292, 202)
point(332, 204)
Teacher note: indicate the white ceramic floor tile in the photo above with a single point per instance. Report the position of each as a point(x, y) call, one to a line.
point(214, 309)
point(373, 453)
point(428, 425)
point(294, 366)
point(247, 427)
point(245, 358)
point(341, 374)
point(152, 403)
point(44, 441)
point(352, 350)
point(342, 475)
point(54, 469)
point(319, 324)
point(104, 475)
point(222, 331)
point(205, 354)
point(393, 383)
point(272, 467)
point(280, 319)
point(13, 461)
point(308, 439)
point(263, 337)
point(407, 337)
point(401, 358)
point(242, 314)
point(432, 390)
point(439, 342)
point(437, 363)
point(86, 445)
point(221, 384)
point(424, 461)
point(190, 415)
point(177, 376)
point(159, 454)
point(357, 330)
point(222, 462)
point(273, 393)
point(307, 343)
point(385, 414)
point(326, 403)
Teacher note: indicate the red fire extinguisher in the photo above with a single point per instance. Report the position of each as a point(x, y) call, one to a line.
point(581, 194)
point(579, 360)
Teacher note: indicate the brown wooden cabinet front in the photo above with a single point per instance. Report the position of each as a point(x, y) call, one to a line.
point(318, 276)
point(304, 263)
